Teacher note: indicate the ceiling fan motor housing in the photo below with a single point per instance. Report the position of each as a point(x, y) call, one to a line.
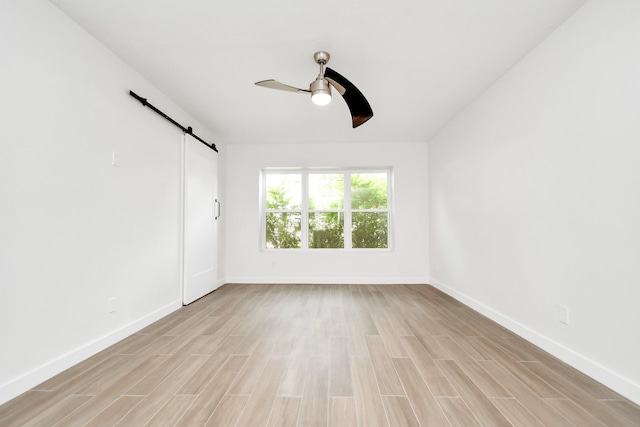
point(320, 91)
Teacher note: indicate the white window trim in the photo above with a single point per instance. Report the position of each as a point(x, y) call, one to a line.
point(304, 221)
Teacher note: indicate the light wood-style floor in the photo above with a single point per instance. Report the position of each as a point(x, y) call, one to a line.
point(322, 355)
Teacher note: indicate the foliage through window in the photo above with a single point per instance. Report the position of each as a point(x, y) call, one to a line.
point(326, 209)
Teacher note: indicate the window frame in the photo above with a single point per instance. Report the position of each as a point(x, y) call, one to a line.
point(304, 173)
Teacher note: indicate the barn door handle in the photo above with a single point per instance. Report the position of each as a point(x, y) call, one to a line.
point(217, 203)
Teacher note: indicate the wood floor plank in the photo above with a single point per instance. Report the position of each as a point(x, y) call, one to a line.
point(322, 355)
point(479, 404)
point(155, 377)
point(182, 344)
point(228, 411)
point(388, 381)
point(479, 351)
point(484, 381)
point(162, 394)
point(534, 382)
point(423, 402)
point(518, 348)
point(573, 413)
point(158, 346)
point(626, 408)
point(369, 407)
point(454, 321)
point(192, 325)
point(457, 412)
point(356, 342)
point(114, 412)
point(207, 401)
point(342, 412)
point(395, 316)
point(428, 369)
point(56, 412)
point(102, 375)
point(97, 404)
point(165, 324)
point(360, 303)
point(399, 411)
point(318, 345)
point(582, 381)
point(338, 322)
point(210, 367)
point(221, 335)
point(339, 368)
point(82, 367)
point(100, 380)
point(421, 315)
point(284, 412)
point(431, 345)
point(137, 342)
point(517, 414)
point(389, 336)
point(579, 396)
point(170, 412)
point(212, 324)
point(282, 344)
point(471, 346)
point(252, 370)
point(314, 406)
point(338, 315)
point(256, 411)
point(294, 376)
point(526, 396)
point(20, 410)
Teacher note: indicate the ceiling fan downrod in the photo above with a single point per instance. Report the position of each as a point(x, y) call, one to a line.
point(321, 58)
point(320, 89)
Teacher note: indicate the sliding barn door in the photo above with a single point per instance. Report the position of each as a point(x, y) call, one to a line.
point(201, 210)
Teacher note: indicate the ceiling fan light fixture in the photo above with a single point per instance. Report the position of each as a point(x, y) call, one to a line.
point(320, 91)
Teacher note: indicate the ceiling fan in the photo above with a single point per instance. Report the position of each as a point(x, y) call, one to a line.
point(320, 90)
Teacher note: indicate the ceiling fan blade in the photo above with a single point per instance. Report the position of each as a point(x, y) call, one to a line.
point(341, 89)
point(358, 105)
point(273, 84)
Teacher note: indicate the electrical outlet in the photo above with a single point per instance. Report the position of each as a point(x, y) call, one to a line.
point(115, 159)
point(111, 305)
point(563, 314)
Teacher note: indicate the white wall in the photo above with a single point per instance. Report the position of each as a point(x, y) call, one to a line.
point(535, 196)
point(404, 264)
point(74, 230)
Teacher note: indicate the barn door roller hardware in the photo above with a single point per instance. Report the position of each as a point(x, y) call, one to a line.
point(187, 130)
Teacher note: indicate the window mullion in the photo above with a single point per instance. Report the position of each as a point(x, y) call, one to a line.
point(347, 211)
point(304, 220)
point(388, 210)
point(263, 210)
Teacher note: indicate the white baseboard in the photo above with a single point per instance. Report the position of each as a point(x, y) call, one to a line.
point(19, 385)
point(604, 375)
point(315, 280)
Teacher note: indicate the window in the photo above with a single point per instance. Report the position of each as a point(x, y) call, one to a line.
point(326, 209)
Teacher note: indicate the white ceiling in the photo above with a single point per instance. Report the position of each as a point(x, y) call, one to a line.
point(418, 62)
